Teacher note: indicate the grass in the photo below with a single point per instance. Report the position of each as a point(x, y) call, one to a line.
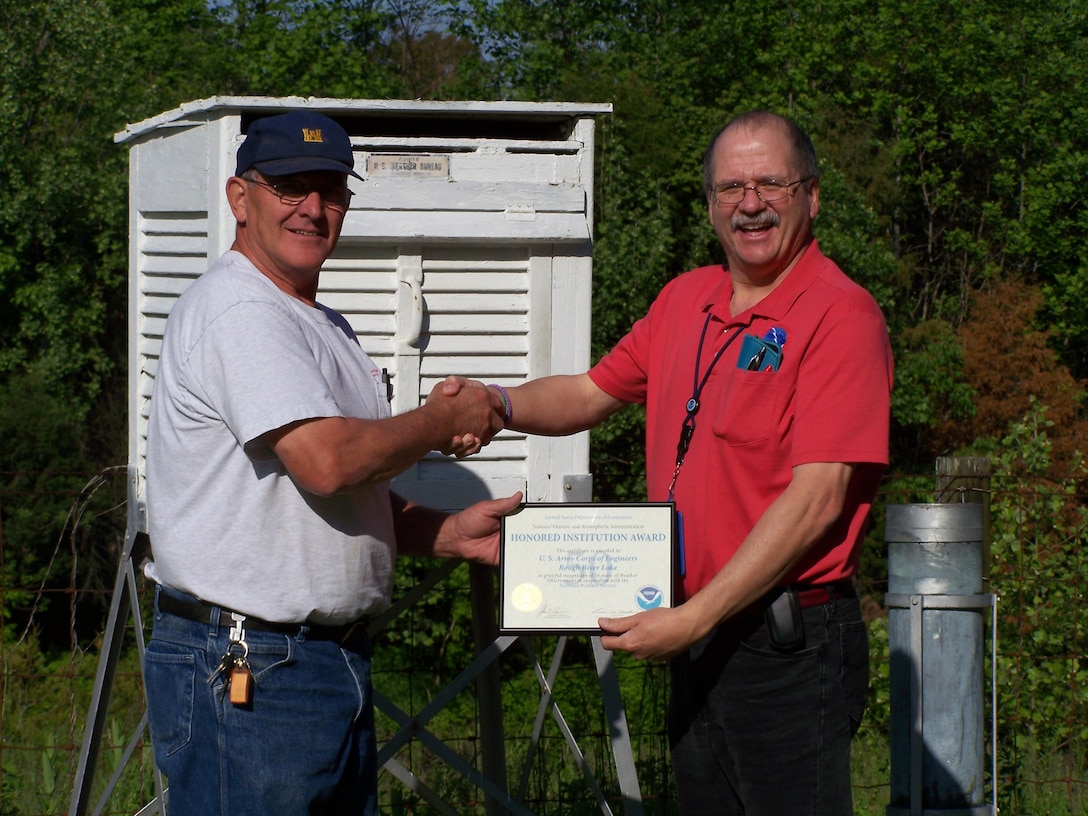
point(44, 701)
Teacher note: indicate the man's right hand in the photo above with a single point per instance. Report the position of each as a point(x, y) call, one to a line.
point(327, 455)
point(475, 414)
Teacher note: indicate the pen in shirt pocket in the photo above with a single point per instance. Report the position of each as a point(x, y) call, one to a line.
point(762, 354)
point(757, 359)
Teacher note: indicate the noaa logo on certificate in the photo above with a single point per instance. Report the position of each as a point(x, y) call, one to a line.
point(649, 597)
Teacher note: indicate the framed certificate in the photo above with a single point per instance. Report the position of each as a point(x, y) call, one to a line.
point(563, 566)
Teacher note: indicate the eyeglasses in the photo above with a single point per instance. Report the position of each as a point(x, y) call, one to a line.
point(292, 193)
point(729, 195)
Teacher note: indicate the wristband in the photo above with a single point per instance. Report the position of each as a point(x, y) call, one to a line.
point(508, 409)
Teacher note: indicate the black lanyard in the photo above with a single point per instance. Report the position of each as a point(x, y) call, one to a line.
point(687, 429)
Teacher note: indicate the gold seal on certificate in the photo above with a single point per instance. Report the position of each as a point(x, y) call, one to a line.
point(564, 566)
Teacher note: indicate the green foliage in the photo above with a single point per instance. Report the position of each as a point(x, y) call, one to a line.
point(528, 47)
point(37, 481)
point(929, 387)
point(293, 47)
point(1037, 786)
point(63, 188)
point(848, 231)
point(619, 457)
point(870, 766)
point(9, 785)
point(1039, 572)
point(51, 515)
point(49, 770)
point(44, 698)
point(63, 255)
point(637, 236)
point(437, 632)
point(878, 710)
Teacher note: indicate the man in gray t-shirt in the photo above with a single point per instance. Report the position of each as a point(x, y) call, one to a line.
point(274, 532)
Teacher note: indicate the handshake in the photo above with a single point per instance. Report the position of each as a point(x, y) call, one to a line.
point(471, 411)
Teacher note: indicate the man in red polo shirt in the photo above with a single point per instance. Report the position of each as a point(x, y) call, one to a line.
point(767, 386)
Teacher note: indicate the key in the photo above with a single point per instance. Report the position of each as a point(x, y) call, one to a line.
point(241, 682)
point(224, 664)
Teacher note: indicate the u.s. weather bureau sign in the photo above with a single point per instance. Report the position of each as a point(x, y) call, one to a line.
point(565, 566)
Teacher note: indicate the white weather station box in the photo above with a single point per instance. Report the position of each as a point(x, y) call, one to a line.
point(467, 250)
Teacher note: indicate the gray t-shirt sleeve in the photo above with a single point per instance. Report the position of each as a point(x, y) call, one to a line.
point(253, 369)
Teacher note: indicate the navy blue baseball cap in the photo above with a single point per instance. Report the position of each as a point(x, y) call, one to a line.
point(297, 142)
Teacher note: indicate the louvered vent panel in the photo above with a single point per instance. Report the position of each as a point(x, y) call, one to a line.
point(360, 282)
point(173, 252)
point(477, 325)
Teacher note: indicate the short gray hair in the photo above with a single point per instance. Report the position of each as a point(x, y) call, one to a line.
point(804, 153)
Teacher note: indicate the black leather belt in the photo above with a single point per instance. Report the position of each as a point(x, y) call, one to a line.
point(809, 595)
point(202, 612)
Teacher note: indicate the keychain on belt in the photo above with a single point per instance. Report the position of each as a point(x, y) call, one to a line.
point(235, 663)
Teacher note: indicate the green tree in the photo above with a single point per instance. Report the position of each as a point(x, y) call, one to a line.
point(977, 108)
point(61, 258)
point(304, 48)
point(1037, 572)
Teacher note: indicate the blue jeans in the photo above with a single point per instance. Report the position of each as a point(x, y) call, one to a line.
point(757, 732)
point(305, 745)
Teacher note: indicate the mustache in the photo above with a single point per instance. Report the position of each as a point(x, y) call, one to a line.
point(767, 218)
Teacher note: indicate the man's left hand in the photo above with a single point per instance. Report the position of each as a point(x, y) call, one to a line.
point(657, 634)
point(462, 446)
point(473, 534)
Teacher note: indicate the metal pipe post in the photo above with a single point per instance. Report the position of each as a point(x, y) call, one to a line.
point(936, 628)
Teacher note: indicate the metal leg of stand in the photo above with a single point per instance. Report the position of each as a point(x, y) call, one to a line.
point(123, 604)
point(546, 685)
point(619, 732)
